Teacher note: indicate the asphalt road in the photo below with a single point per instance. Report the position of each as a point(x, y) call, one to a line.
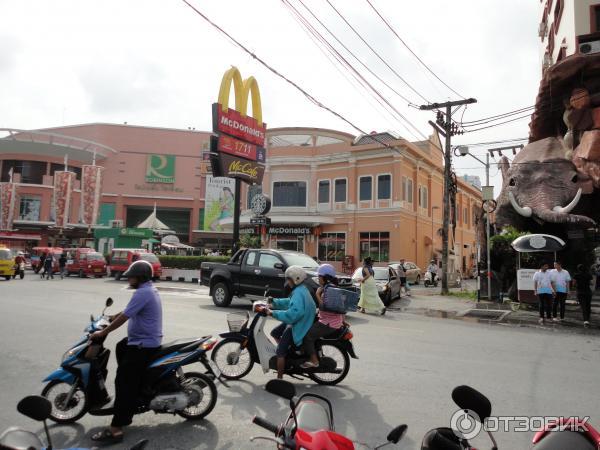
point(408, 366)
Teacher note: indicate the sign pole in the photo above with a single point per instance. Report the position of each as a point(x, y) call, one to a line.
point(236, 216)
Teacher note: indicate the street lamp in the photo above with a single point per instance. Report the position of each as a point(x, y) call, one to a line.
point(433, 208)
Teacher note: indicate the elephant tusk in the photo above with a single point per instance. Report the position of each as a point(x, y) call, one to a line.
point(567, 209)
point(525, 211)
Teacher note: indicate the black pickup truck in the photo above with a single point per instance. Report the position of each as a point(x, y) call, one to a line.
point(249, 271)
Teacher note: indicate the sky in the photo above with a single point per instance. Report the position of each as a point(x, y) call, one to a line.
point(158, 63)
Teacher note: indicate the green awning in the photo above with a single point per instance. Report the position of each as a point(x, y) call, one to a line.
point(153, 241)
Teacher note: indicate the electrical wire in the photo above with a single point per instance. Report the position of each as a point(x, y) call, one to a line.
point(409, 49)
point(498, 124)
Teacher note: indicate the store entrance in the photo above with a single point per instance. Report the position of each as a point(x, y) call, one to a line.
point(294, 243)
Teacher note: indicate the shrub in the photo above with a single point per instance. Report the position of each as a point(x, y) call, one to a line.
point(189, 262)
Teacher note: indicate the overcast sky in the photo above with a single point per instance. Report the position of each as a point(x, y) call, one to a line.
point(157, 63)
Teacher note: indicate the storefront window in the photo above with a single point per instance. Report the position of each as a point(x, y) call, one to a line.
point(340, 191)
point(289, 193)
point(384, 187)
point(332, 246)
point(293, 243)
point(366, 189)
point(32, 172)
point(54, 167)
point(29, 208)
point(324, 191)
point(252, 191)
point(376, 245)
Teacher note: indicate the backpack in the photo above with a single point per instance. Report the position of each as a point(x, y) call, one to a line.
point(338, 300)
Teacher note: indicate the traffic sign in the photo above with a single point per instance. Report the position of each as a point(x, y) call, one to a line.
point(260, 221)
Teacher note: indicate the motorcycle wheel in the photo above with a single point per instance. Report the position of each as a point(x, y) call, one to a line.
point(56, 392)
point(231, 365)
point(207, 392)
point(342, 362)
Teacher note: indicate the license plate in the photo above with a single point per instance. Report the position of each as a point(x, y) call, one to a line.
point(97, 270)
point(214, 368)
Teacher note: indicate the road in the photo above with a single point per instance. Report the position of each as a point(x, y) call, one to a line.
point(408, 366)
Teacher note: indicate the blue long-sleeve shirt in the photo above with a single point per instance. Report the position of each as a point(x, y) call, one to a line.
point(298, 311)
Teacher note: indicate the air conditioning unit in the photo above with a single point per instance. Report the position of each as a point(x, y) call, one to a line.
point(588, 48)
point(115, 223)
point(543, 30)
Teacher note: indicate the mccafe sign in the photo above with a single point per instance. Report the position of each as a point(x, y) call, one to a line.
point(237, 150)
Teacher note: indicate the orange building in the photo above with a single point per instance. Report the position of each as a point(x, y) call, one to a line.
point(334, 195)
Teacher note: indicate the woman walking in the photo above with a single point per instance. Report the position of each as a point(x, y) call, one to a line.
point(369, 296)
point(583, 279)
point(542, 284)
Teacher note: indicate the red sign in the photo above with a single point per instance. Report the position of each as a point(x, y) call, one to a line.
point(235, 147)
point(233, 123)
point(248, 171)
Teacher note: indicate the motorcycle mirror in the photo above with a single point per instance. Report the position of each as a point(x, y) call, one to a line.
point(468, 398)
point(35, 407)
point(109, 302)
point(397, 433)
point(281, 388)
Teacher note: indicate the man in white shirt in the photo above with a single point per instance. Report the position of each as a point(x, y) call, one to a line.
point(542, 283)
point(560, 282)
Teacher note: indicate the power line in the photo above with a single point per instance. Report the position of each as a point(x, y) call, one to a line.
point(375, 52)
point(410, 50)
point(498, 124)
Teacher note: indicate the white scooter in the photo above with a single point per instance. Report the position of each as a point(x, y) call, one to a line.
point(245, 345)
point(429, 280)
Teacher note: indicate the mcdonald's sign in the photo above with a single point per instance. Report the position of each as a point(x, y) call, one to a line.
point(236, 122)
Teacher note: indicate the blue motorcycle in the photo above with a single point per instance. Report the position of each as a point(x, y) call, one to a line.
point(77, 387)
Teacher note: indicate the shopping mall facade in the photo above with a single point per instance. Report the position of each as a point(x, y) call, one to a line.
point(333, 195)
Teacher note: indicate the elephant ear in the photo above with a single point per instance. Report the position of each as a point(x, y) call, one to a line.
point(504, 166)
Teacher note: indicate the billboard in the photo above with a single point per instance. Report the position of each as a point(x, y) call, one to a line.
point(8, 200)
point(219, 201)
point(63, 190)
point(91, 190)
point(160, 169)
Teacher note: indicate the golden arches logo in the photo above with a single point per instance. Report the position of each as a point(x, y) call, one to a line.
point(243, 89)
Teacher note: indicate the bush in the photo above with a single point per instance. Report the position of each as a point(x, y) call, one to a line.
point(189, 262)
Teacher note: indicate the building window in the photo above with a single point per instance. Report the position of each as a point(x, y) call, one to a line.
point(289, 193)
point(376, 245)
point(365, 189)
point(558, 10)
point(332, 246)
point(407, 189)
point(423, 197)
point(29, 208)
point(253, 190)
point(340, 190)
point(466, 216)
point(32, 172)
point(324, 191)
point(54, 167)
point(594, 18)
point(384, 187)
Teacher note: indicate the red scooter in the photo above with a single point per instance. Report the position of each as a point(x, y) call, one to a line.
point(309, 425)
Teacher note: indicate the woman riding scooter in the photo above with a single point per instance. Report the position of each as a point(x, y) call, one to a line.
point(296, 313)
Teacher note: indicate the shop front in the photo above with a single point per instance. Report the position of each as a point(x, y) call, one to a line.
point(298, 238)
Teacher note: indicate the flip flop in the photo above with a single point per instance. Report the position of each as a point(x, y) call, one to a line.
point(106, 437)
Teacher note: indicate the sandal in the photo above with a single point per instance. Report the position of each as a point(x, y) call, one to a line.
point(107, 437)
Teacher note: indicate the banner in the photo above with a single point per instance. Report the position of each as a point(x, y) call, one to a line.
point(63, 189)
point(91, 190)
point(8, 200)
point(235, 147)
point(248, 171)
point(219, 202)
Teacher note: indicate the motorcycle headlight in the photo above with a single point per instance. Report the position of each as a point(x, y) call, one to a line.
point(73, 352)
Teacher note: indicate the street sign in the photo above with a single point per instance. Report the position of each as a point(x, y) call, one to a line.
point(487, 192)
point(489, 206)
point(260, 221)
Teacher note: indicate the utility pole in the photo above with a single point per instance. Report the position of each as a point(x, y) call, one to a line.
point(449, 129)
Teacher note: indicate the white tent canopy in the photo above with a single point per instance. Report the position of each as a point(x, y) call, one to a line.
point(154, 224)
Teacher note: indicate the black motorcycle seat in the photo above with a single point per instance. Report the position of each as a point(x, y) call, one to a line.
point(179, 344)
point(312, 416)
point(336, 335)
point(565, 439)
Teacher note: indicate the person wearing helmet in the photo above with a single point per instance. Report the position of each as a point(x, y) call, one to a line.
point(432, 268)
point(328, 321)
point(144, 335)
point(296, 313)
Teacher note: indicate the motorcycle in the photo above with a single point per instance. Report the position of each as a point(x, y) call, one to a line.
point(310, 423)
point(19, 270)
point(430, 280)
point(75, 388)
point(244, 345)
point(564, 434)
point(38, 409)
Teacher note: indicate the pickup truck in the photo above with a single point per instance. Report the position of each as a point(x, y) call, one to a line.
point(250, 271)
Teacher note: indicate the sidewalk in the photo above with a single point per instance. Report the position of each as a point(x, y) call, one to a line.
point(431, 303)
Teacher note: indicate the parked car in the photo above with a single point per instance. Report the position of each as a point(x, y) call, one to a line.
point(413, 272)
point(387, 281)
point(7, 263)
point(39, 251)
point(249, 271)
point(86, 262)
point(121, 259)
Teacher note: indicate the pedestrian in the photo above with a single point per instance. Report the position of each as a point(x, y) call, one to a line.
point(369, 295)
point(583, 280)
point(62, 264)
point(403, 278)
point(40, 268)
point(560, 283)
point(542, 284)
point(49, 266)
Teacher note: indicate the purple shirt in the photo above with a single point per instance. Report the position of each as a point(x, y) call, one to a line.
point(145, 317)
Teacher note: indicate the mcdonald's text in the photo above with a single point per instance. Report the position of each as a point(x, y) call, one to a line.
point(233, 123)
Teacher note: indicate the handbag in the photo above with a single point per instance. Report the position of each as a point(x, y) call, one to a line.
point(338, 300)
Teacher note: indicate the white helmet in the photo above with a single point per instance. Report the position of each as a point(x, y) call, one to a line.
point(296, 274)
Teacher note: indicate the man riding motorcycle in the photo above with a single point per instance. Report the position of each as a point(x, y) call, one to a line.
point(296, 313)
point(432, 268)
point(144, 336)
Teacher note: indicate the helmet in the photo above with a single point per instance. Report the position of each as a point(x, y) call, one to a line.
point(296, 274)
point(432, 261)
point(20, 254)
point(326, 270)
point(141, 269)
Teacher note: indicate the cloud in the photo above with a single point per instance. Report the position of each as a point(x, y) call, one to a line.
point(9, 49)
